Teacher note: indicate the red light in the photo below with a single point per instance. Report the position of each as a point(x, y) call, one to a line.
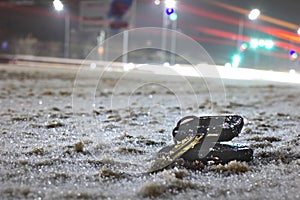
point(243, 47)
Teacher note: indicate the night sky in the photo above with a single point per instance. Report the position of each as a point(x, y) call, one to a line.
point(212, 25)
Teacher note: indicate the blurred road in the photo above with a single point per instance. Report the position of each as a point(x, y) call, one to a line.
point(228, 75)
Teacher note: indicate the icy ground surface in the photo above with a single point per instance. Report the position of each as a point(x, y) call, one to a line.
point(49, 152)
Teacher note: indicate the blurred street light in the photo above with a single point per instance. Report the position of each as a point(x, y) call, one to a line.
point(254, 43)
point(58, 5)
point(236, 60)
point(169, 14)
point(173, 16)
point(254, 14)
point(298, 31)
point(269, 44)
point(262, 43)
point(170, 4)
point(157, 2)
point(243, 47)
point(293, 55)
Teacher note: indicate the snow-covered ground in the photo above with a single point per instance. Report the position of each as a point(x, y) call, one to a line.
point(70, 135)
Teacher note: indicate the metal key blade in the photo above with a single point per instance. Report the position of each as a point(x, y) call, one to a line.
point(176, 152)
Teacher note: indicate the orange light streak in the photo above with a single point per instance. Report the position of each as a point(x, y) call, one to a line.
point(262, 17)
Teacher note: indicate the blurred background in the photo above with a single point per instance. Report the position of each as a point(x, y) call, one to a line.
point(259, 34)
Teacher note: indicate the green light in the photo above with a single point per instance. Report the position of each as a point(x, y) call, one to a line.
point(269, 44)
point(236, 60)
point(243, 47)
point(261, 43)
point(254, 43)
point(173, 16)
